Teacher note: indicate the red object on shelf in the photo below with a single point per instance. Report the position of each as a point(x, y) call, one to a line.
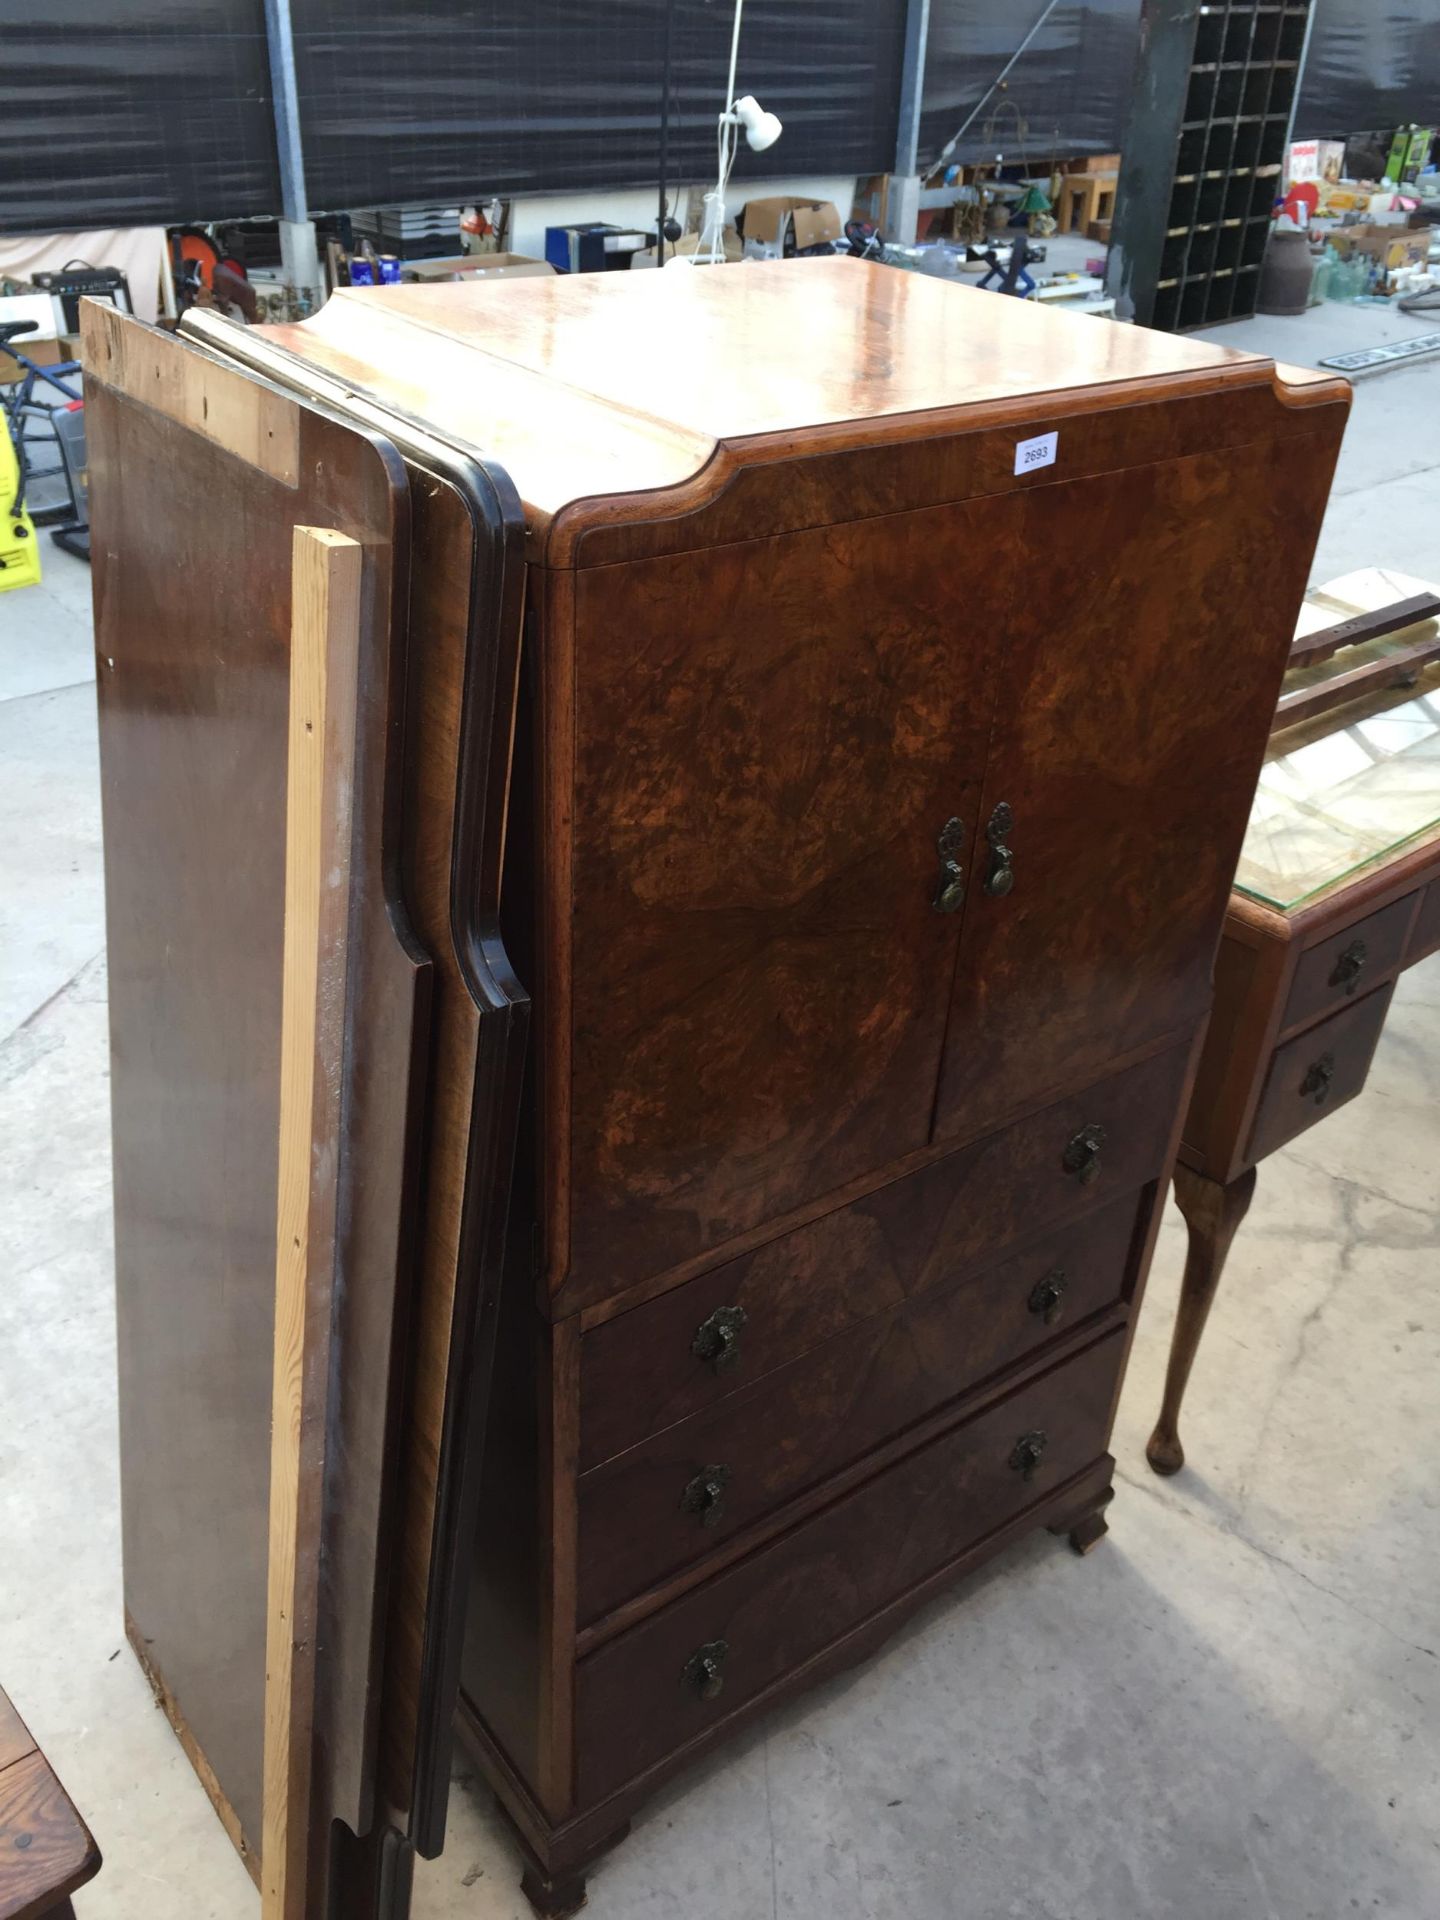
point(1301, 201)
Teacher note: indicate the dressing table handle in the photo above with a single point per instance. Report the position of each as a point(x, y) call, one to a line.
point(1349, 966)
point(1318, 1075)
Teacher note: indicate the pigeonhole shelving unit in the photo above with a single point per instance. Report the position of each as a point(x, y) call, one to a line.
point(1203, 160)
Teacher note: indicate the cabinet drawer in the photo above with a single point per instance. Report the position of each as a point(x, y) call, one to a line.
point(648, 1368)
point(637, 1699)
point(1318, 1071)
point(666, 1503)
point(1348, 964)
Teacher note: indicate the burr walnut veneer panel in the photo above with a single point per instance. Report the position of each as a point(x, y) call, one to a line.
point(762, 771)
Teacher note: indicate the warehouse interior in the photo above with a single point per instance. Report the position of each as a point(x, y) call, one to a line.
point(415, 243)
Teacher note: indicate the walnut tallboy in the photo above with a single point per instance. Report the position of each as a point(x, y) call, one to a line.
point(823, 707)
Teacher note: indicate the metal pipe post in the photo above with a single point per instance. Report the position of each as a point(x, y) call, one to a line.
point(299, 253)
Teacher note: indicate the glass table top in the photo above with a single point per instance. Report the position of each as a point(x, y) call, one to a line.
point(1349, 788)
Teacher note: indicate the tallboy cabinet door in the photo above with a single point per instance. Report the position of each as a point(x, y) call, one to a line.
point(769, 739)
point(1144, 656)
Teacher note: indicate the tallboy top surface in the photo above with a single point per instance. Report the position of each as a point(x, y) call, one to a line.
point(600, 383)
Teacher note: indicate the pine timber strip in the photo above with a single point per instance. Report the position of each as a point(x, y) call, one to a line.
point(320, 796)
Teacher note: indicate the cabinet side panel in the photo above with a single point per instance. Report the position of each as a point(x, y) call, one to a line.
point(193, 583)
point(501, 1662)
point(439, 619)
point(500, 1674)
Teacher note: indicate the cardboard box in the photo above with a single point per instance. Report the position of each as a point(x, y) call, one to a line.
point(1315, 160)
point(775, 229)
point(1383, 204)
point(1392, 246)
point(477, 266)
point(1409, 151)
point(1344, 196)
point(45, 353)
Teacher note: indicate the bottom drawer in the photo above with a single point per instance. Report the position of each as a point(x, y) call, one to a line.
point(1317, 1071)
point(644, 1695)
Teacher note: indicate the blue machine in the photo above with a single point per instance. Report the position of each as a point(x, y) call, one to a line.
point(593, 249)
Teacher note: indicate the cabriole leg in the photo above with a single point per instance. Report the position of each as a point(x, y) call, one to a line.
point(1212, 1214)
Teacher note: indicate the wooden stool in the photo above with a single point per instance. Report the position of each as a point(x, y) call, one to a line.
point(45, 1848)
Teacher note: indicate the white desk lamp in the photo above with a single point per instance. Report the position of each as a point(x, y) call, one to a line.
point(762, 130)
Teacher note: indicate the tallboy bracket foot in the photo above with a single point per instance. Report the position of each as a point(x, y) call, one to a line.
point(1087, 1528)
point(555, 1891)
point(553, 1899)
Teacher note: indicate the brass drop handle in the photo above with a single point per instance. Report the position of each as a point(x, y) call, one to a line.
point(1047, 1296)
point(1000, 875)
point(1082, 1154)
point(1026, 1454)
point(1349, 966)
point(950, 893)
point(1318, 1075)
point(705, 1494)
point(717, 1340)
point(704, 1673)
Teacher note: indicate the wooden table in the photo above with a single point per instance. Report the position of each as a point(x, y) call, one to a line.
point(1315, 937)
point(46, 1851)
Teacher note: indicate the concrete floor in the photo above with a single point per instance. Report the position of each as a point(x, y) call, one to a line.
point(1229, 1712)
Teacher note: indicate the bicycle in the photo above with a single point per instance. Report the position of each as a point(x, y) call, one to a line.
point(31, 421)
